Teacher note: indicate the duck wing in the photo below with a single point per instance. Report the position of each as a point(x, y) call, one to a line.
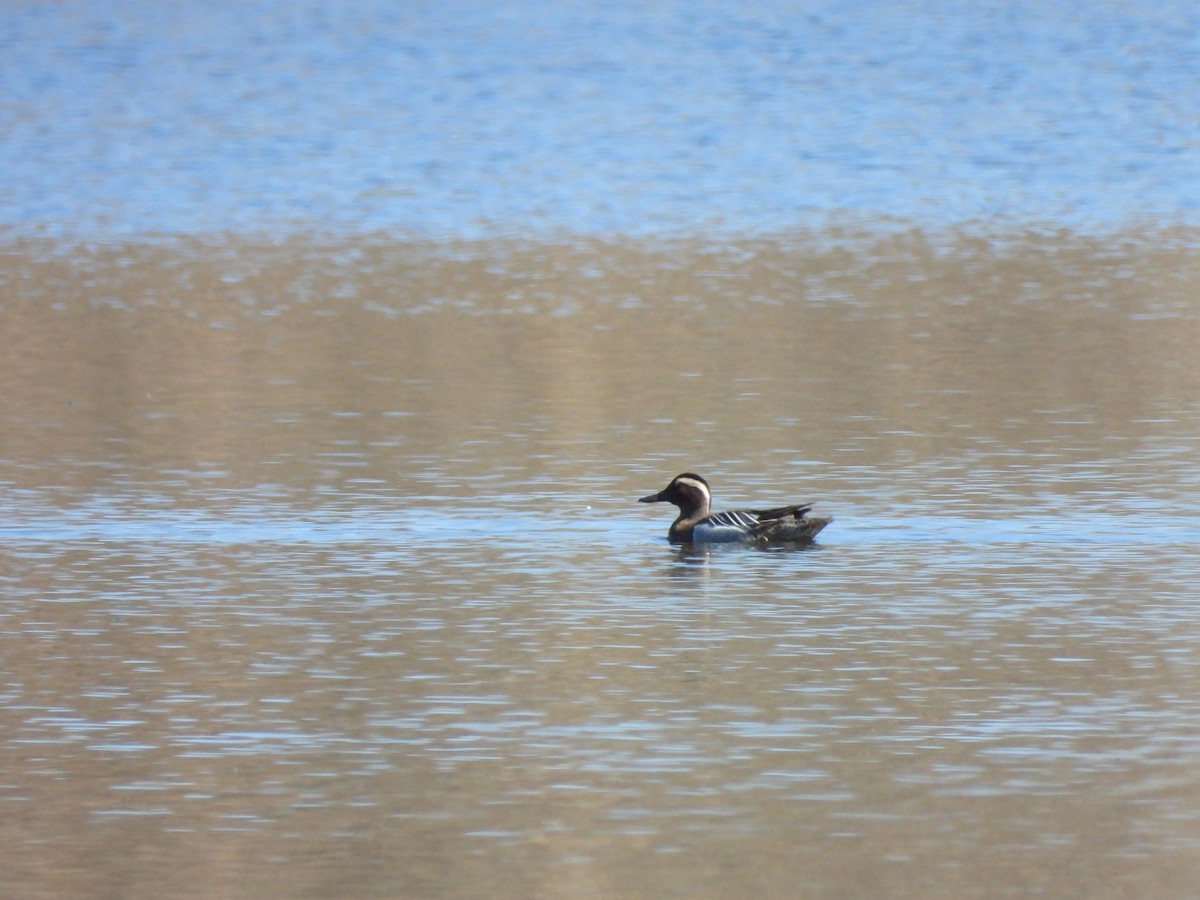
point(725, 527)
point(785, 523)
point(734, 518)
point(795, 511)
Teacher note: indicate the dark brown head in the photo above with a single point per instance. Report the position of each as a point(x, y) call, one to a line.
point(688, 491)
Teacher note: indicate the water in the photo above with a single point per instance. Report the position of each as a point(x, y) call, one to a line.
point(324, 575)
point(468, 120)
point(339, 344)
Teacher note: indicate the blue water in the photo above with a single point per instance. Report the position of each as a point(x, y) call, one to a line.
point(461, 119)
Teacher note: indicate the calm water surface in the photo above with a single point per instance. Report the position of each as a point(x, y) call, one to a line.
point(323, 573)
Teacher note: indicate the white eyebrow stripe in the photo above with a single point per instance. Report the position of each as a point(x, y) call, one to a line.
point(698, 485)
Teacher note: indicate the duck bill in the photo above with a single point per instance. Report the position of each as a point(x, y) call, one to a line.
point(654, 498)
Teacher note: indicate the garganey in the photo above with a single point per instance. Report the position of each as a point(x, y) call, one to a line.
point(696, 525)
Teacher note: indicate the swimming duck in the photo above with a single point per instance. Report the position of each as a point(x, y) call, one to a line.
point(696, 525)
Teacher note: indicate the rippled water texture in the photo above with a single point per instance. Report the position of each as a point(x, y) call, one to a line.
point(323, 574)
point(469, 119)
point(338, 341)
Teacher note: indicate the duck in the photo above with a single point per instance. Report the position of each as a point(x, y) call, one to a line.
point(697, 525)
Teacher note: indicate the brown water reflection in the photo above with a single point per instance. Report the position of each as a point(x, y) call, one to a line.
point(323, 575)
point(180, 355)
